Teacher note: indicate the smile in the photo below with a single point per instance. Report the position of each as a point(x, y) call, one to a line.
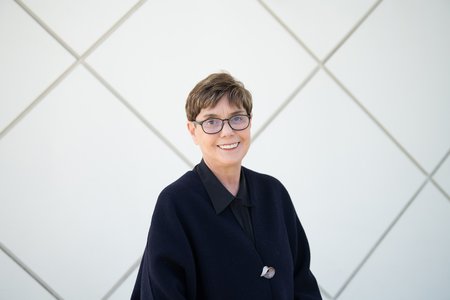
point(228, 146)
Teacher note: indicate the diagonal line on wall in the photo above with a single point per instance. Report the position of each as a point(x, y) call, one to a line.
point(81, 60)
point(321, 64)
point(440, 189)
point(122, 279)
point(122, 99)
point(394, 140)
point(55, 83)
point(429, 179)
point(352, 30)
point(439, 165)
point(44, 26)
point(285, 103)
point(38, 100)
point(113, 28)
point(138, 115)
point(30, 272)
point(289, 31)
point(300, 87)
point(324, 292)
point(375, 120)
point(401, 148)
point(303, 44)
point(380, 239)
point(353, 97)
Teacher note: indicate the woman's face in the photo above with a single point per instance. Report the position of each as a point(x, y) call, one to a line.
point(227, 148)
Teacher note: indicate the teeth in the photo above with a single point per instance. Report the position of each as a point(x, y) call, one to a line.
point(229, 146)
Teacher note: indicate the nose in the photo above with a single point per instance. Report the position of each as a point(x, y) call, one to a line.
point(226, 130)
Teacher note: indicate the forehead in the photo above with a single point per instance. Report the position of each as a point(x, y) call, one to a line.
point(222, 108)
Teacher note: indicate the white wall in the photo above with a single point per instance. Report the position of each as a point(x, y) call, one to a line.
point(352, 113)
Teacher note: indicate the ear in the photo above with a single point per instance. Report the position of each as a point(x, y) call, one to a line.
point(191, 128)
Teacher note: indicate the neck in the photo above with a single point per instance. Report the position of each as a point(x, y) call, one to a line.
point(228, 176)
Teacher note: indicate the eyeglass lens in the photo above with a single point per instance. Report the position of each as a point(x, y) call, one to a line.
point(239, 122)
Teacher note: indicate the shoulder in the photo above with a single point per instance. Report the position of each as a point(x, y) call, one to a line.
point(184, 201)
point(187, 182)
point(268, 191)
point(181, 193)
point(263, 180)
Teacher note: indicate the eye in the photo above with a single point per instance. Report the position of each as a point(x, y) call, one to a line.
point(238, 119)
point(212, 122)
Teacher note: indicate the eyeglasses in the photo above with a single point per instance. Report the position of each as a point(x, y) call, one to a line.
point(215, 125)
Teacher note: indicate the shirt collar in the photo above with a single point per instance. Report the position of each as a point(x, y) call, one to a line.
point(219, 195)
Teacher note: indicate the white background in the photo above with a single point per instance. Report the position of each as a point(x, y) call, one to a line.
point(351, 113)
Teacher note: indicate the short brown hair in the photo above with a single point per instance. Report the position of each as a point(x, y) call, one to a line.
point(210, 90)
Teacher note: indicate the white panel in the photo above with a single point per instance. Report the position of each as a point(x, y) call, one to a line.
point(80, 176)
point(413, 262)
point(30, 61)
point(18, 285)
point(157, 57)
point(443, 176)
point(398, 65)
point(80, 23)
point(347, 179)
point(320, 24)
point(125, 290)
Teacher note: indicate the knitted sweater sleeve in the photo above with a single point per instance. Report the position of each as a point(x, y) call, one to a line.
point(305, 284)
point(167, 268)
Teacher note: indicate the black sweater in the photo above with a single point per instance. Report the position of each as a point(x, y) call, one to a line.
point(194, 253)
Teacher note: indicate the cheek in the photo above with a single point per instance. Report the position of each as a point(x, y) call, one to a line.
point(246, 137)
point(206, 141)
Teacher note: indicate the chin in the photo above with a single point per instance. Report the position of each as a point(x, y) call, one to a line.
point(231, 162)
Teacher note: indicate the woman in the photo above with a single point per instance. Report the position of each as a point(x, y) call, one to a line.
point(222, 231)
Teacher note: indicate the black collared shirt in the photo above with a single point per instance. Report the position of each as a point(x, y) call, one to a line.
point(221, 198)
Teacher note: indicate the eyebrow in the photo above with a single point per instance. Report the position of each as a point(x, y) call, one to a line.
point(237, 112)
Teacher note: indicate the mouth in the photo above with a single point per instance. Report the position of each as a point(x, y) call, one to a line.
point(228, 146)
